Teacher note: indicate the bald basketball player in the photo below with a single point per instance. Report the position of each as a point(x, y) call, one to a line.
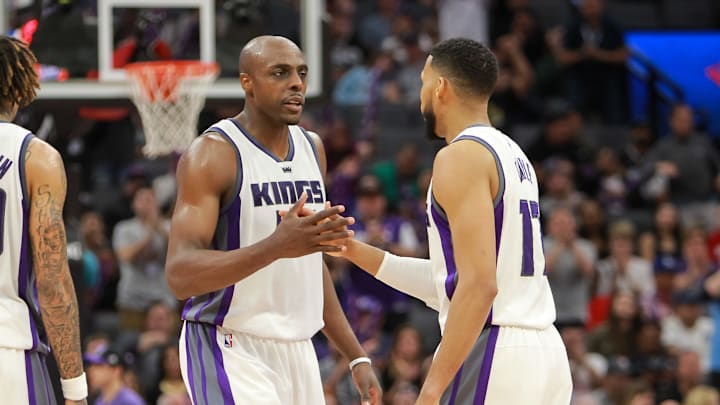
point(256, 285)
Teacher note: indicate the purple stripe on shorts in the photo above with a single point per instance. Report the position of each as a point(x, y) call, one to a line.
point(447, 248)
point(196, 331)
point(191, 379)
point(222, 377)
point(186, 309)
point(484, 377)
point(455, 386)
point(29, 376)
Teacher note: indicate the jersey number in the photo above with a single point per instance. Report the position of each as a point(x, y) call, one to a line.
point(529, 210)
point(3, 200)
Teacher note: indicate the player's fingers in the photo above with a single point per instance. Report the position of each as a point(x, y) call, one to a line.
point(332, 236)
point(329, 248)
point(297, 207)
point(340, 222)
point(326, 213)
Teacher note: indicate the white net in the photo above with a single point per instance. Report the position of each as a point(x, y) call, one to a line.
point(169, 97)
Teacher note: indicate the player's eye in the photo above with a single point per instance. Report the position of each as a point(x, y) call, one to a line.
point(303, 73)
point(279, 73)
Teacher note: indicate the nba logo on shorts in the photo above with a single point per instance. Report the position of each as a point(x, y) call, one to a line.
point(228, 340)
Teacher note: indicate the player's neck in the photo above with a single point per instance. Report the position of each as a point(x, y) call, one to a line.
point(272, 135)
point(6, 117)
point(463, 116)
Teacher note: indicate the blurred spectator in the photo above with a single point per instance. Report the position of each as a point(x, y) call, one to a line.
point(651, 360)
point(512, 91)
point(99, 262)
point(140, 244)
point(696, 261)
point(378, 26)
point(592, 225)
point(688, 375)
point(169, 382)
point(640, 393)
point(616, 382)
point(663, 243)
point(106, 375)
point(687, 329)
point(570, 266)
point(357, 85)
point(622, 270)
point(404, 364)
point(593, 49)
point(613, 184)
point(561, 137)
point(587, 369)
point(559, 189)
point(687, 169)
point(402, 394)
point(702, 395)
point(399, 177)
point(345, 51)
point(616, 336)
point(712, 289)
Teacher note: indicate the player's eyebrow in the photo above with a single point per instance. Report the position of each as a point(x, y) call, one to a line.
point(288, 66)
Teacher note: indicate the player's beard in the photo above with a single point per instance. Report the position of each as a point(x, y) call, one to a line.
point(430, 123)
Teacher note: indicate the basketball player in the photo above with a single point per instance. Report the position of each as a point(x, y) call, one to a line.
point(37, 298)
point(257, 287)
point(486, 270)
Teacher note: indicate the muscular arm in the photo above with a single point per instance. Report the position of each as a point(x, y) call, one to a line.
point(206, 175)
point(468, 203)
point(47, 185)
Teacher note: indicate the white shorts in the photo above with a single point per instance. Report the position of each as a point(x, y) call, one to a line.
point(24, 378)
point(513, 366)
point(220, 366)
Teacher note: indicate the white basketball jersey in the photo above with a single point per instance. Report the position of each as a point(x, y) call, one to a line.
point(19, 311)
point(285, 299)
point(524, 298)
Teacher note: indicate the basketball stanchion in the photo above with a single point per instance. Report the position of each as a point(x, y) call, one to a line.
point(169, 96)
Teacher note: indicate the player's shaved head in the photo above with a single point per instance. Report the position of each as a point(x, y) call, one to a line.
point(259, 47)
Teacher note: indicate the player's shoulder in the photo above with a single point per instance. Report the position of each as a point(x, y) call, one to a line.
point(210, 162)
point(39, 152)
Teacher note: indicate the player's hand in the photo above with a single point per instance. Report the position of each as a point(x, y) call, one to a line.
point(300, 232)
point(367, 384)
point(304, 212)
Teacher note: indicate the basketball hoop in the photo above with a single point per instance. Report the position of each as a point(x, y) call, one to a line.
point(169, 96)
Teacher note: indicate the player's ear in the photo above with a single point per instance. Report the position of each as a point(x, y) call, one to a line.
point(442, 87)
point(246, 83)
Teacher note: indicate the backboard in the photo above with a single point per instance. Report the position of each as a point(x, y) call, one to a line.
point(216, 30)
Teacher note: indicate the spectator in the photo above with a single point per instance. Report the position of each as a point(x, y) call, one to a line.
point(617, 335)
point(100, 261)
point(140, 244)
point(702, 395)
point(616, 382)
point(688, 168)
point(587, 369)
point(570, 266)
point(404, 364)
point(687, 329)
point(399, 177)
point(106, 375)
point(593, 50)
point(622, 270)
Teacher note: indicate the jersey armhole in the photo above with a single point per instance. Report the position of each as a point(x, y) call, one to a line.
point(501, 173)
point(23, 179)
point(239, 178)
point(313, 146)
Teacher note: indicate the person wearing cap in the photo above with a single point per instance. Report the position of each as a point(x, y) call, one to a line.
point(106, 369)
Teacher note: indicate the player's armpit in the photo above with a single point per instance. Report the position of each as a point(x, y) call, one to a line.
point(47, 185)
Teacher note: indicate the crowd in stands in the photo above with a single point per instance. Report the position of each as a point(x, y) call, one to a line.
point(631, 221)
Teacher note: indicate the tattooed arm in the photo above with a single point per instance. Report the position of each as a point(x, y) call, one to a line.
point(47, 185)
